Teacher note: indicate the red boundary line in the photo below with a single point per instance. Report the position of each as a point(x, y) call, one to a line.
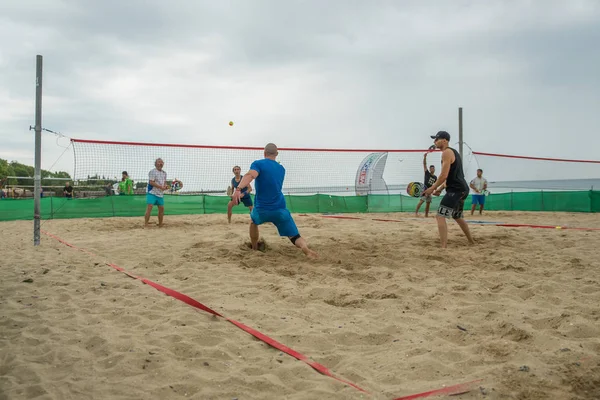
point(454, 389)
point(197, 146)
point(478, 153)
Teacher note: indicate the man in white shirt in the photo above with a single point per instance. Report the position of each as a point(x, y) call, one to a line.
point(479, 185)
point(157, 183)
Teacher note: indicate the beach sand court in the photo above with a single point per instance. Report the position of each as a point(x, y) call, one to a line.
point(383, 308)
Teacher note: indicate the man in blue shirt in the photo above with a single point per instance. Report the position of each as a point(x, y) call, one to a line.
point(269, 203)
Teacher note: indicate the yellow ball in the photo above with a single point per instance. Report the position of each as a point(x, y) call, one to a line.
point(230, 123)
point(559, 227)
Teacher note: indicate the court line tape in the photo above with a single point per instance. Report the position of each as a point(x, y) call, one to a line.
point(478, 222)
point(547, 227)
point(453, 390)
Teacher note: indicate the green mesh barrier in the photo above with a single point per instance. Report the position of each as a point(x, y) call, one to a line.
point(571, 201)
point(595, 201)
point(303, 204)
point(501, 201)
point(135, 206)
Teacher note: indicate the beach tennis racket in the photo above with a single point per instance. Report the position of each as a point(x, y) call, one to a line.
point(176, 185)
point(414, 189)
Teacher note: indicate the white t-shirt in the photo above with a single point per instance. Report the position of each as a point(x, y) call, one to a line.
point(159, 177)
point(479, 183)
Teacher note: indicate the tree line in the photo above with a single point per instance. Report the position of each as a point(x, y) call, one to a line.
point(15, 168)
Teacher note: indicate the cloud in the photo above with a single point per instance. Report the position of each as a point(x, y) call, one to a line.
point(348, 74)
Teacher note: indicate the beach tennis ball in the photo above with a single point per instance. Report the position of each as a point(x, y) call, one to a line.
point(230, 123)
point(559, 227)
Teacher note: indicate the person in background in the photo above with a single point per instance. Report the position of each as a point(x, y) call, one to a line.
point(108, 188)
point(479, 185)
point(157, 184)
point(246, 199)
point(429, 180)
point(68, 190)
point(126, 185)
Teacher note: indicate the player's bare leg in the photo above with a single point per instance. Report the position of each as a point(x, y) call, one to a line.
point(254, 235)
point(443, 229)
point(465, 228)
point(147, 215)
point(161, 213)
point(427, 205)
point(302, 245)
point(229, 211)
point(418, 206)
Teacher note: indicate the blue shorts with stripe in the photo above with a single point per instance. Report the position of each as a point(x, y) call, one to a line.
point(154, 200)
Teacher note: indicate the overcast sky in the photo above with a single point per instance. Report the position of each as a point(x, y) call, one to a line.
point(346, 74)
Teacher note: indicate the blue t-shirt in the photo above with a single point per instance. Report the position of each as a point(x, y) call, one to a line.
point(235, 184)
point(269, 184)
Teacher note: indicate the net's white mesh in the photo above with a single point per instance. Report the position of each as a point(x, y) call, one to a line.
point(208, 169)
point(528, 173)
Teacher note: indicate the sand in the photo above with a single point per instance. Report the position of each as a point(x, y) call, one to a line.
point(383, 307)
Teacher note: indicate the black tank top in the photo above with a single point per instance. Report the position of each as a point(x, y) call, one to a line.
point(456, 178)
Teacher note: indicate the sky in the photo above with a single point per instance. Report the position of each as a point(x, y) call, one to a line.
point(342, 74)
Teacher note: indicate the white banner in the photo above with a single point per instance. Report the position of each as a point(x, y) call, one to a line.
point(369, 177)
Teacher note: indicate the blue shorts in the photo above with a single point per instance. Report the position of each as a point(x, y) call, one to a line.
point(477, 199)
point(247, 200)
point(154, 200)
point(281, 218)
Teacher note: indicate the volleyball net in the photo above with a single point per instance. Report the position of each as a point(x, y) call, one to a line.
point(355, 172)
point(317, 180)
point(507, 173)
point(208, 169)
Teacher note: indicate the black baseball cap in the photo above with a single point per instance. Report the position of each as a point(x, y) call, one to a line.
point(441, 135)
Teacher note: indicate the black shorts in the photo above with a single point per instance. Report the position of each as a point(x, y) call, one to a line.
point(247, 200)
point(452, 204)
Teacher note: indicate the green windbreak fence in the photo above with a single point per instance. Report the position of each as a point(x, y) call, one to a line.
point(135, 206)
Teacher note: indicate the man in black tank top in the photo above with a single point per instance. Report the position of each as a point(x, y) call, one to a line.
point(457, 189)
